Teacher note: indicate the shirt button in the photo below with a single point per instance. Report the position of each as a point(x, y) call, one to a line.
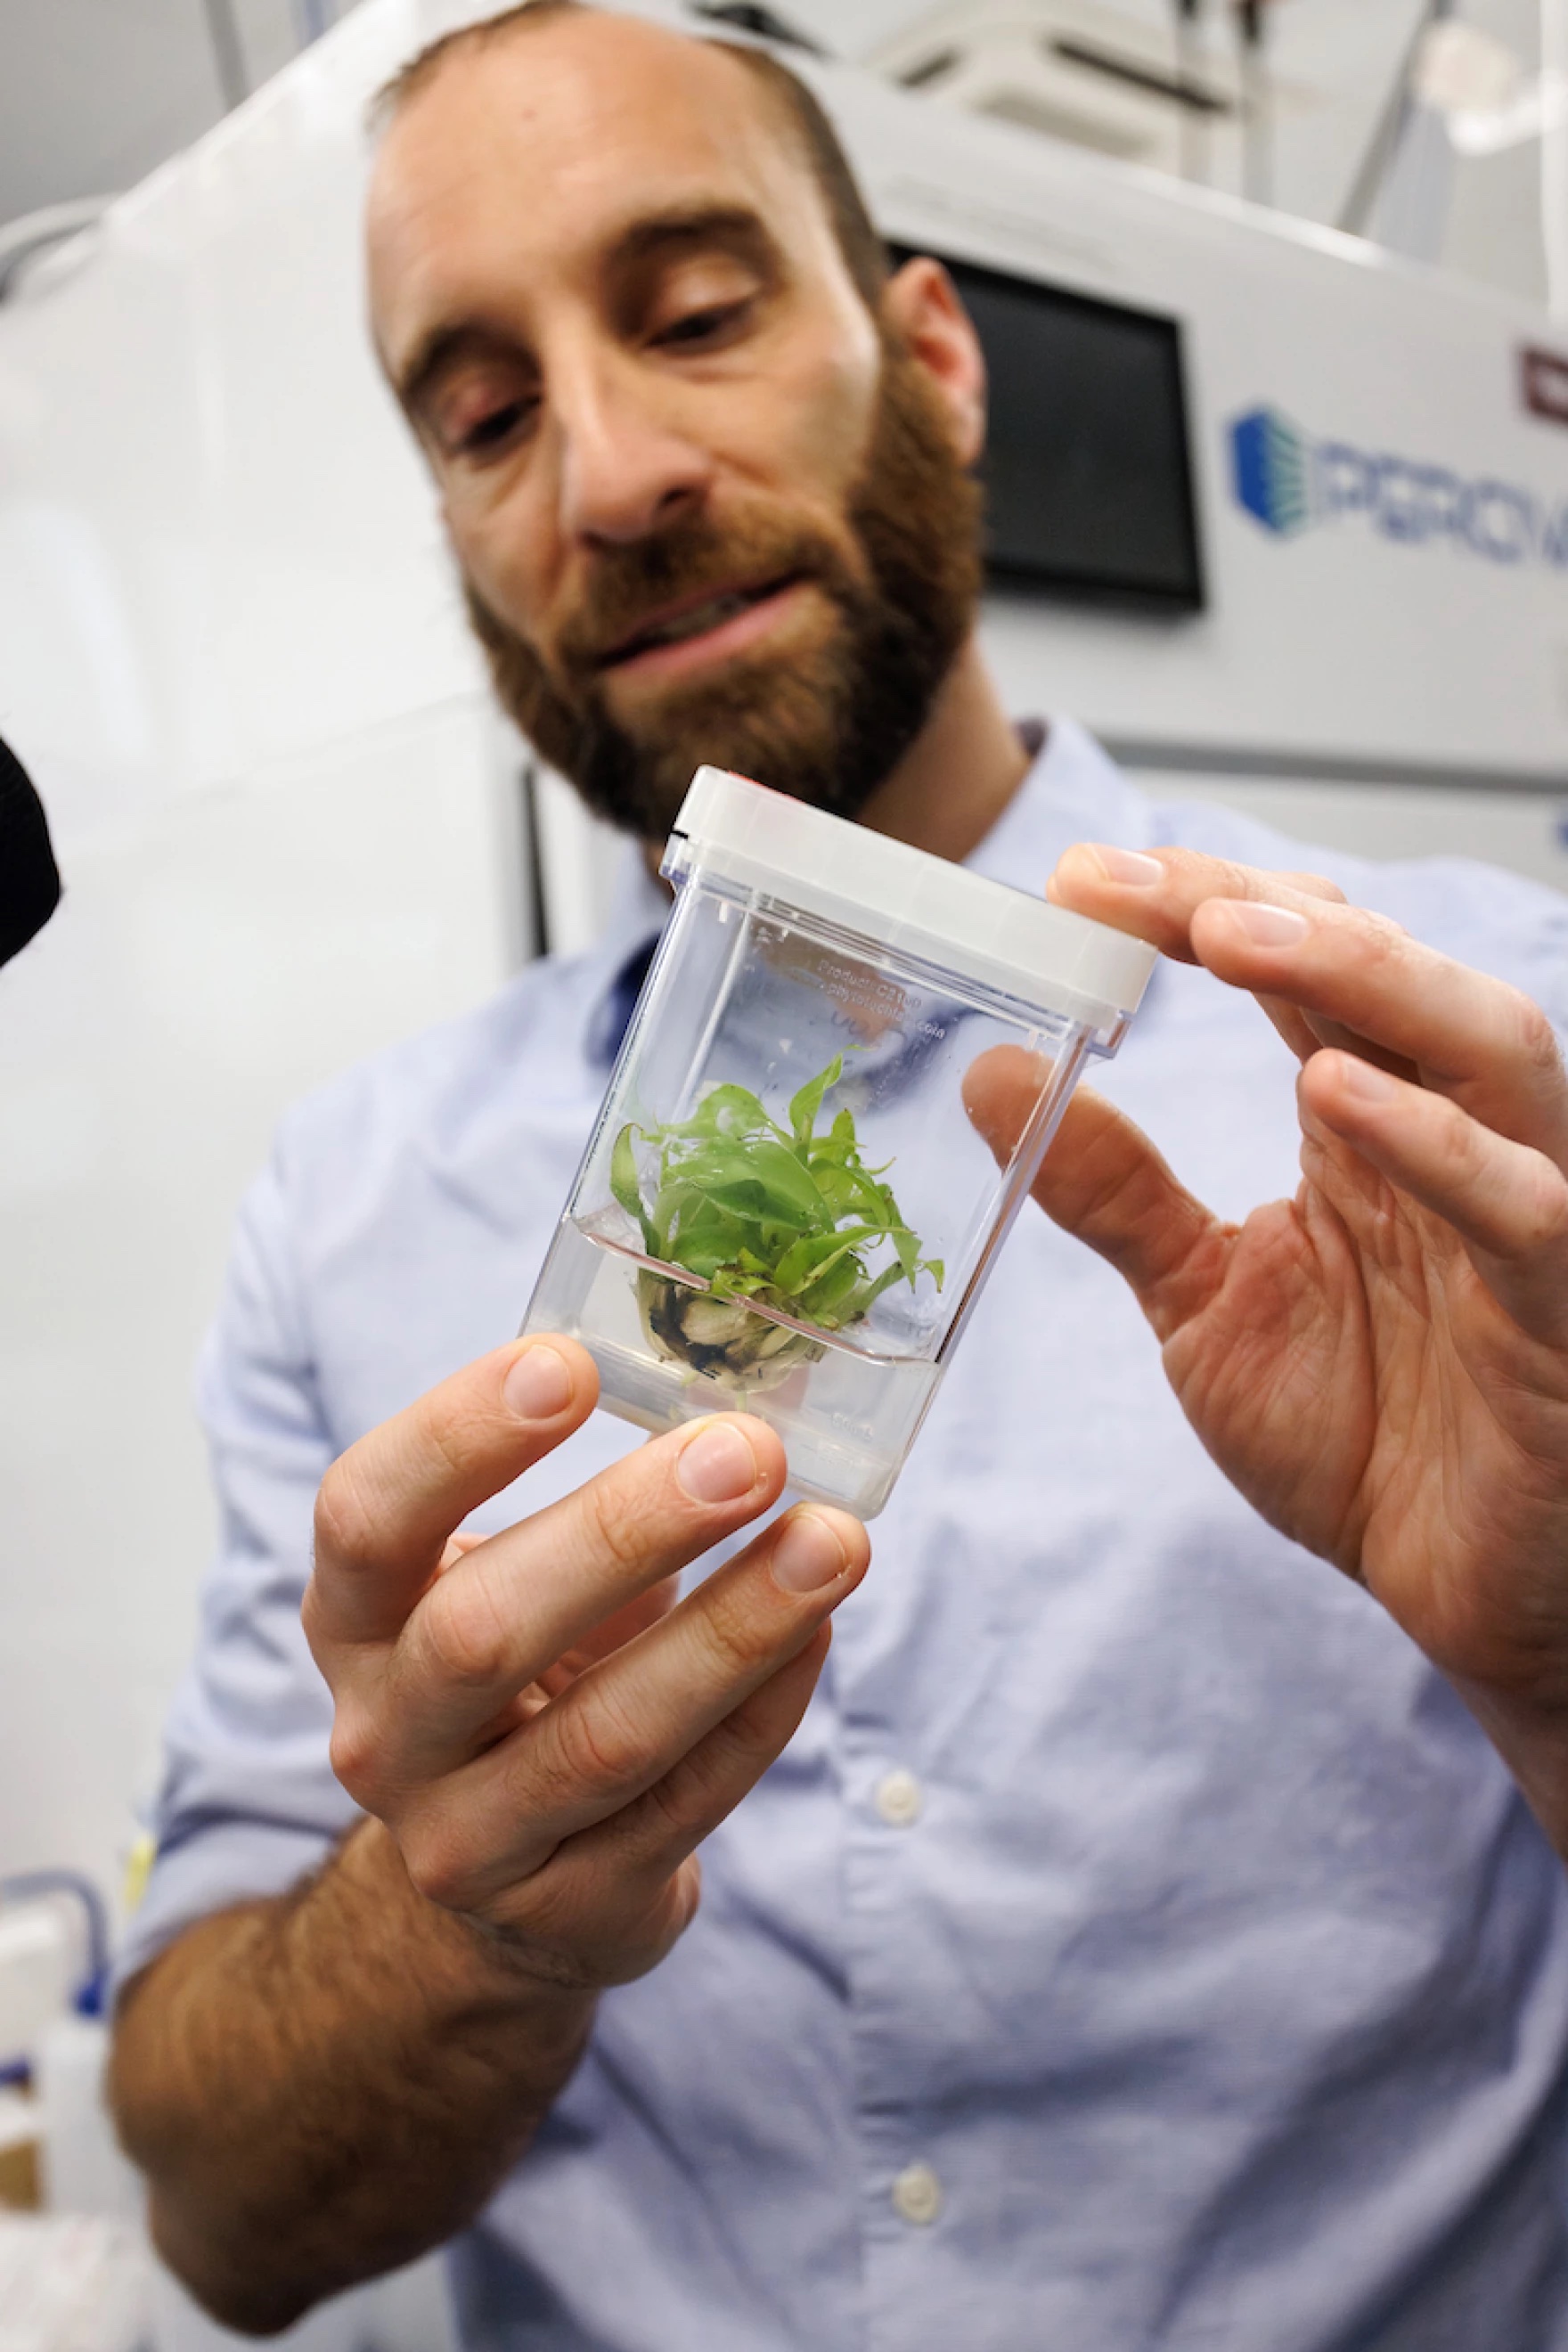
point(917, 2194)
point(899, 1799)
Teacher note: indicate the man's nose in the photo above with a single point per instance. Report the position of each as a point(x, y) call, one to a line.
point(626, 471)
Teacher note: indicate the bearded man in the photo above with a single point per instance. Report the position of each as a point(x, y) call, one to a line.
point(1141, 1935)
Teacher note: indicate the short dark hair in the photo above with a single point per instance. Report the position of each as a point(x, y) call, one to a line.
point(865, 255)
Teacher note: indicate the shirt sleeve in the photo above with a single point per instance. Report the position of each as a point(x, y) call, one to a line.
point(248, 1802)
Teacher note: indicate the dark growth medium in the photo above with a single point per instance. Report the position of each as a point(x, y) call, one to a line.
point(781, 1218)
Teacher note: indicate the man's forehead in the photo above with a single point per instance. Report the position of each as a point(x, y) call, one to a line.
point(571, 129)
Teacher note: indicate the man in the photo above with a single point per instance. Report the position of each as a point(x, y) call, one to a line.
point(1139, 1941)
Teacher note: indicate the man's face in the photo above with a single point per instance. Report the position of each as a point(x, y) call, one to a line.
point(704, 508)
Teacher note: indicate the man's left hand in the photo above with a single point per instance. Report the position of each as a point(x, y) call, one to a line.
point(1381, 1364)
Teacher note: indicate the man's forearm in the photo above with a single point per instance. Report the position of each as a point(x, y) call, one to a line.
point(322, 2086)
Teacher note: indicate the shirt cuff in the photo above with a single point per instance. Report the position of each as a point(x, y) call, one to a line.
point(234, 1861)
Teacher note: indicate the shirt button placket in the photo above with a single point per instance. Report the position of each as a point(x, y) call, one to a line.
point(903, 2197)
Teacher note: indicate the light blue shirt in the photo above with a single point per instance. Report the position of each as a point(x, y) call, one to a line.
point(1201, 1982)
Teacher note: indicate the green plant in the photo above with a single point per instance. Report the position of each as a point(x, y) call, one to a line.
point(763, 1215)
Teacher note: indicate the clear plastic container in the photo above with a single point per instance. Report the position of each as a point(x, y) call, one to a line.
point(785, 1209)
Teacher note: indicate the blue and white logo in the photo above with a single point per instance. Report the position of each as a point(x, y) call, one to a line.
point(1289, 481)
point(1270, 459)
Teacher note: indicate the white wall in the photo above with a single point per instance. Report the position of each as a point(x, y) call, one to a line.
point(289, 823)
point(224, 953)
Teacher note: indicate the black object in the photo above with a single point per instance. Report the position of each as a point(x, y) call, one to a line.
point(749, 16)
point(1087, 470)
point(29, 878)
point(1177, 89)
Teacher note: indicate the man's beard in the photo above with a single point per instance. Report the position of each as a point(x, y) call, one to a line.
point(827, 725)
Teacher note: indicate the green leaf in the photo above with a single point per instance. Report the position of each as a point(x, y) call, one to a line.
point(762, 1178)
point(839, 1191)
point(625, 1187)
point(907, 1246)
point(728, 1283)
point(723, 1111)
point(835, 1296)
point(884, 1281)
point(695, 1231)
point(808, 1258)
point(879, 1202)
point(786, 1217)
point(805, 1105)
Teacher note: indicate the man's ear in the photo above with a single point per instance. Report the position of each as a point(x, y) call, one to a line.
point(921, 308)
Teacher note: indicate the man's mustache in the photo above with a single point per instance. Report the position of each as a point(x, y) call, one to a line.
point(629, 586)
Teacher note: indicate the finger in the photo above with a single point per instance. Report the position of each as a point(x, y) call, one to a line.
point(1457, 1031)
point(623, 1625)
point(1508, 1203)
point(611, 1632)
point(387, 1505)
point(512, 1607)
point(1130, 888)
point(1153, 894)
point(630, 1721)
point(638, 1849)
point(1103, 1181)
point(1143, 891)
point(1356, 977)
point(1307, 1033)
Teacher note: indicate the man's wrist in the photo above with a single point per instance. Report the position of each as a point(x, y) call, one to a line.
point(481, 1970)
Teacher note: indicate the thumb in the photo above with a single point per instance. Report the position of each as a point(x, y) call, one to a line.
point(1103, 1181)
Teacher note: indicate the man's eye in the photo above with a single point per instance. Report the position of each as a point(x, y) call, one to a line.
point(493, 430)
point(706, 325)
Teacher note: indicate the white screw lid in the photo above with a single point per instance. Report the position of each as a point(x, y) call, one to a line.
point(978, 930)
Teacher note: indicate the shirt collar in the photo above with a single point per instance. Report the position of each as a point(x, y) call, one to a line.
point(1072, 791)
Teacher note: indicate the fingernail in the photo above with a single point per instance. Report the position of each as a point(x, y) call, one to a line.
point(1366, 1080)
point(1268, 927)
point(1127, 865)
point(718, 1466)
point(807, 1554)
point(537, 1386)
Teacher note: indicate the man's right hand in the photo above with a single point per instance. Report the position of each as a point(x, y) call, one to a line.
point(546, 1732)
point(322, 2083)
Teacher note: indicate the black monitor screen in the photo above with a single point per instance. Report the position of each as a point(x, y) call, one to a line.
point(1087, 482)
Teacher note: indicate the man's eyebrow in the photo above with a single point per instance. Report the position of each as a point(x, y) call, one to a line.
point(730, 228)
point(442, 348)
point(733, 228)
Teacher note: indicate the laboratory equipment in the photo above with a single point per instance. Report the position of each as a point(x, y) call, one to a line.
point(783, 1208)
